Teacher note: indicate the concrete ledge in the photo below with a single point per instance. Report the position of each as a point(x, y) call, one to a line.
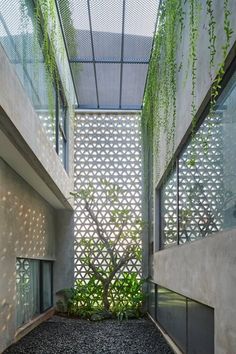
point(28, 327)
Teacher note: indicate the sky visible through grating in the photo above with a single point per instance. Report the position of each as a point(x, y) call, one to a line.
point(113, 40)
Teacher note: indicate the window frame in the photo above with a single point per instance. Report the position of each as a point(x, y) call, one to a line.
point(40, 290)
point(61, 131)
point(201, 115)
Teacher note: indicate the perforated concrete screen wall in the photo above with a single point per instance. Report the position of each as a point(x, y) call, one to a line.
point(107, 146)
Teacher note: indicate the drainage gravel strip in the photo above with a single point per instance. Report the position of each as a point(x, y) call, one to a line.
point(65, 335)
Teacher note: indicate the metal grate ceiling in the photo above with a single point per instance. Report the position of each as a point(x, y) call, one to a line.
point(109, 44)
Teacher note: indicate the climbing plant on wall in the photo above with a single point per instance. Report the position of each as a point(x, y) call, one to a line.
point(212, 39)
point(159, 111)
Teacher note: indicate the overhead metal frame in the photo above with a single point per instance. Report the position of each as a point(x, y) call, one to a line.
point(122, 52)
point(94, 64)
point(98, 90)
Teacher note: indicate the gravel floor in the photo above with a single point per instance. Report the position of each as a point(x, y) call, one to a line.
point(63, 335)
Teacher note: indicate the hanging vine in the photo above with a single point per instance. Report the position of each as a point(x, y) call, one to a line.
point(48, 44)
point(216, 86)
point(228, 30)
point(159, 111)
point(160, 94)
point(194, 16)
point(45, 24)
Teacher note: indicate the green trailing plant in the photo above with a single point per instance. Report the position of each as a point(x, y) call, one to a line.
point(216, 77)
point(159, 111)
point(126, 229)
point(211, 34)
point(48, 40)
point(46, 27)
point(221, 68)
point(194, 19)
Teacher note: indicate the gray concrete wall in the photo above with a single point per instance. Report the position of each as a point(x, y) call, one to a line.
point(27, 230)
point(203, 270)
point(33, 183)
point(64, 266)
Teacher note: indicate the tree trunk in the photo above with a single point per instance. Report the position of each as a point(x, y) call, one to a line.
point(106, 302)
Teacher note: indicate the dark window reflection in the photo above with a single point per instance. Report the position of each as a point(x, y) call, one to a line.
point(171, 314)
point(200, 328)
point(189, 323)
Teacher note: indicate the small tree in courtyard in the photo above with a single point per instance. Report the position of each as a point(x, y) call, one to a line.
point(118, 247)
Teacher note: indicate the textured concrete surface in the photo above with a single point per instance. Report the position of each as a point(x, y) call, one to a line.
point(63, 271)
point(205, 270)
point(62, 335)
point(27, 230)
point(28, 222)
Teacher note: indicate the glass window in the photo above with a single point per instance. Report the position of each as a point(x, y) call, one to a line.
point(27, 288)
point(206, 188)
point(152, 299)
point(200, 182)
point(46, 285)
point(200, 328)
point(62, 139)
point(171, 314)
point(168, 202)
point(33, 288)
point(19, 38)
point(227, 109)
point(189, 323)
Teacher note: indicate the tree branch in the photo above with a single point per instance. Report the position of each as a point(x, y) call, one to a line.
point(96, 272)
point(100, 233)
point(120, 232)
point(122, 262)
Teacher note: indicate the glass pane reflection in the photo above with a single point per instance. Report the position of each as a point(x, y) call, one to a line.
point(171, 314)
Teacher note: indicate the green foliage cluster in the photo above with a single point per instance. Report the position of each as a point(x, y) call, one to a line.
point(125, 296)
point(159, 111)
